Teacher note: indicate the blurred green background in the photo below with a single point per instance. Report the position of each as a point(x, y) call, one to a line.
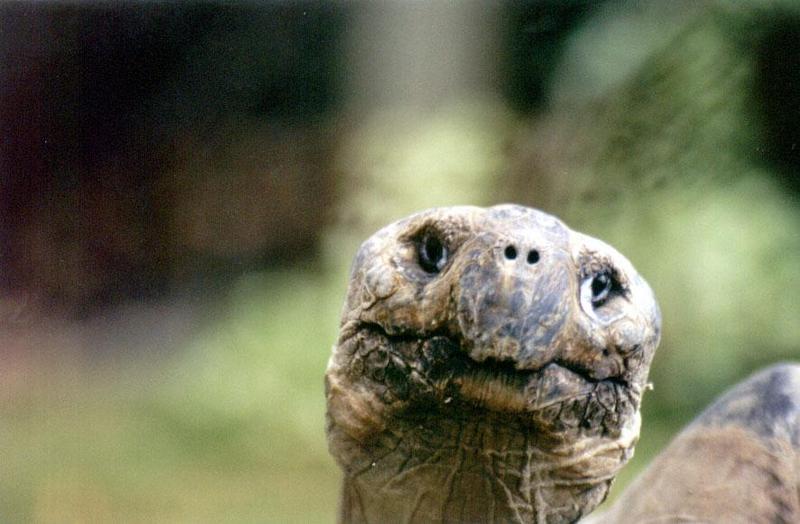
point(184, 185)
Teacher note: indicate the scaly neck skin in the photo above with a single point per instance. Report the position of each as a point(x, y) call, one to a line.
point(434, 469)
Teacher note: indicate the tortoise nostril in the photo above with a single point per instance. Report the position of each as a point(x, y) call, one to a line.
point(533, 256)
point(511, 252)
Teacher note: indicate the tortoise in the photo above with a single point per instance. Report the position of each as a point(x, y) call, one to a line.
point(490, 367)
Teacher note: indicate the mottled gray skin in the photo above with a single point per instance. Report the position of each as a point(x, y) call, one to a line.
point(738, 462)
point(492, 389)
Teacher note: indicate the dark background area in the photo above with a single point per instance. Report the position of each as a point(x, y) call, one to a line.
point(100, 102)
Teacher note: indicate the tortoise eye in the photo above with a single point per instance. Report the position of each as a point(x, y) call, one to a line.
point(598, 288)
point(601, 287)
point(432, 253)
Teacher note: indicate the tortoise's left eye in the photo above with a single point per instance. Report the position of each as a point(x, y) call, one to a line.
point(599, 287)
point(432, 253)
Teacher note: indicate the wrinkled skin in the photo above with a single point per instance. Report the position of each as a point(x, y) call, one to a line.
point(489, 368)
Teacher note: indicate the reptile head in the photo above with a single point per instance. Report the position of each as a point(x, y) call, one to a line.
point(498, 330)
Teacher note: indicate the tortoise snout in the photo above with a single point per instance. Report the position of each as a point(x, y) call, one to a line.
point(513, 303)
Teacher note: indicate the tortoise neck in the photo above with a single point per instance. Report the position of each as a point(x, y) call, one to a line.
point(434, 469)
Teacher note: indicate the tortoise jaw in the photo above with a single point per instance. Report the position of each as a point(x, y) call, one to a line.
point(436, 372)
point(517, 391)
point(500, 386)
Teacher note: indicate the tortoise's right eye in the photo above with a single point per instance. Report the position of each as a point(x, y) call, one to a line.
point(432, 253)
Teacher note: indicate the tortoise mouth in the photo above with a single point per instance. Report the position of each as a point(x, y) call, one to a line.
point(500, 386)
point(451, 375)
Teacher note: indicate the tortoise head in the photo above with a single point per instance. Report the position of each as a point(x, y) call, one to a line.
point(492, 318)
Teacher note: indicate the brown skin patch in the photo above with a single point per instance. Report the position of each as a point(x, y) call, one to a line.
point(489, 367)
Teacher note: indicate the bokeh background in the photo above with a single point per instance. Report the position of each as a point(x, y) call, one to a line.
point(184, 185)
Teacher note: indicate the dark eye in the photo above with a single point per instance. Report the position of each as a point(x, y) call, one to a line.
point(602, 283)
point(432, 253)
